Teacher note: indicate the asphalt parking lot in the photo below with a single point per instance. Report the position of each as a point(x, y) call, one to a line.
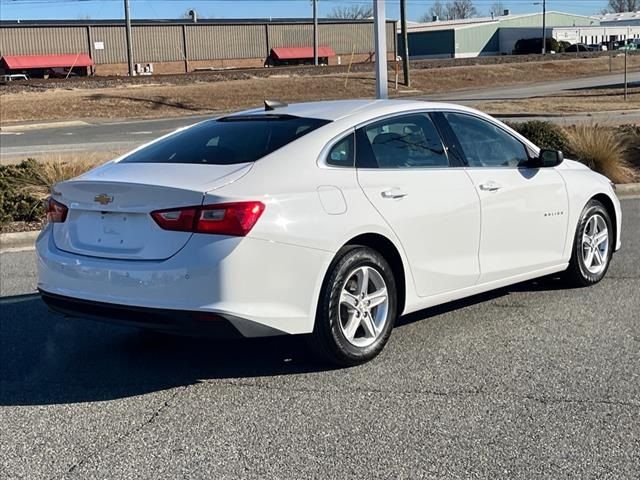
point(534, 381)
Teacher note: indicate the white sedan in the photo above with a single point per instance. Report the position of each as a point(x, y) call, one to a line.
point(329, 219)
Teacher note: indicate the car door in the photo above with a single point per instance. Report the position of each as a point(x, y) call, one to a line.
point(524, 209)
point(404, 170)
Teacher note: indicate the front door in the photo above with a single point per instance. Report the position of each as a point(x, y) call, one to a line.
point(524, 210)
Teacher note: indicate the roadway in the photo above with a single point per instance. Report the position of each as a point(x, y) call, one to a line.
point(532, 381)
point(19, 142)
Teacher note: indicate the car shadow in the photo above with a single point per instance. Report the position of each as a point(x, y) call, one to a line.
point(49, 359)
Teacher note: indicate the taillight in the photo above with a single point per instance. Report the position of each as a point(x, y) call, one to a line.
point(56, 211)
point(236, 219)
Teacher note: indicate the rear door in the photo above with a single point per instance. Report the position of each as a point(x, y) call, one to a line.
point(524, 210)
point(431, 205)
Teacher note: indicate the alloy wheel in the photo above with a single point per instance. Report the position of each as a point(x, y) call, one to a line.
point(364, 306)
point(595, 244)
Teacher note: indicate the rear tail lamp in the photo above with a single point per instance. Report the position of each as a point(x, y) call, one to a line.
point(236, 219)
point(56, 211)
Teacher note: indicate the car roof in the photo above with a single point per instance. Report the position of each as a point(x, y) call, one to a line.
point(343, 109)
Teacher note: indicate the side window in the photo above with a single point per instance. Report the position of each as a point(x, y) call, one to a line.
point(409, 141)
point(341, 154)
point(486, 145)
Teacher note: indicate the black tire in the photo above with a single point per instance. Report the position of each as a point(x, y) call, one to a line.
point(578, 274)
point(328, 341)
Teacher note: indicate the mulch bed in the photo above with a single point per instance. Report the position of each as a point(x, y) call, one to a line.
point(14, 227)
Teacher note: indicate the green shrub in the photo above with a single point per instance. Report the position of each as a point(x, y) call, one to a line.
point(562, 46)
point(16, 204)
point(24, 186)
point(543, 134)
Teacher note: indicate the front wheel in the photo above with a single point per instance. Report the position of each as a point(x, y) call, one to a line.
point(357, 308)
point(592, 246)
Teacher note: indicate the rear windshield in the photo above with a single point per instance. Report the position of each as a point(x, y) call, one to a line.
point(227, 141)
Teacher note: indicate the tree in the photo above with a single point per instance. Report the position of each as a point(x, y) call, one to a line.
point(619, 6)
point(352, 12)
point(437, 10)
point(498, 8)
point(452, 10)
point(460, 9)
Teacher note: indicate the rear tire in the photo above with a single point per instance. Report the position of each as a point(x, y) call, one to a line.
point(592, 246)
point(357, 308)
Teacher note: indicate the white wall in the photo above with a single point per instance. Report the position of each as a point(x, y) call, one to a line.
point(588, 35)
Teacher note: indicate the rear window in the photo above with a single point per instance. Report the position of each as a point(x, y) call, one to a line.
point(227, 141)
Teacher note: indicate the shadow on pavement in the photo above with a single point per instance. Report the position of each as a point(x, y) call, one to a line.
point(48, 359)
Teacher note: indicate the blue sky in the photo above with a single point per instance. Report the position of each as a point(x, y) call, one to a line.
point(75, 9)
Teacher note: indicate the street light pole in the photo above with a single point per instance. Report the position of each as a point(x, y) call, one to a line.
point(626, 78)
point(315, 32)
point(379, 21)
point(405, 43)
point(544, 27)
point(127, 20)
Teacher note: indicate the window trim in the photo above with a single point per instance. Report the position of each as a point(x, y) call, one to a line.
point(530, 153)
point(427, 113)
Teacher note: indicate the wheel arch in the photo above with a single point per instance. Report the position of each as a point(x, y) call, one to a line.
point(611, 210)
point(390, 252)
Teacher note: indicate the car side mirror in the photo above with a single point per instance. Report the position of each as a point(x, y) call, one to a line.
point(549, 158)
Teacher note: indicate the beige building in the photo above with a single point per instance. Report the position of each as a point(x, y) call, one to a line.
point(175, 46)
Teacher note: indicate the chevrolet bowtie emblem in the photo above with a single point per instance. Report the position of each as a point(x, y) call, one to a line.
point(103, 199)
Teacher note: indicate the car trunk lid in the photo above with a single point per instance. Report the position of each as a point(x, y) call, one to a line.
point(109, 208)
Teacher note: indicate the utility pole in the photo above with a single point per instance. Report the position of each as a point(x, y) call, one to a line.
point(315, 32)
point(626, 79)
point(380, 22)
point(544, 27)
point(127, 19)
point(405, 42)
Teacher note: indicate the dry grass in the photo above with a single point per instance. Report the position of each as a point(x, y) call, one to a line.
point(56, 168)
point(601, 149)
point(203, 97)
point(589, 101)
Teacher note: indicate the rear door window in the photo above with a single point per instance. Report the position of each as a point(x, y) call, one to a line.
point(227, 141)
point(407, 141)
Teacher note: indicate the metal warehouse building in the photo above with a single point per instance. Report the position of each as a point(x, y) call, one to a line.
point(498, 35)
point(175, 46)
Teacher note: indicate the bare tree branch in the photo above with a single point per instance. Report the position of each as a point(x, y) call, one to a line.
point(619, 6)
point(352, 12)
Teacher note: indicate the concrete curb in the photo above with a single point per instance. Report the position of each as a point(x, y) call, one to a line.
point(595, 115)
point(40, 126)
point(628, 190)
point(26, 240)
point(17, 241)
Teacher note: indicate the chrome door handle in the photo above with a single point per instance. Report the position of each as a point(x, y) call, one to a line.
point(393, 193)
point(490, 186)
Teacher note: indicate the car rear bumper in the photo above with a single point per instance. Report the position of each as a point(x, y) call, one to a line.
point(174, 321)
point(262, 288)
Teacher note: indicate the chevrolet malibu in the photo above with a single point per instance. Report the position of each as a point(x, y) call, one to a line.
point(328, 219)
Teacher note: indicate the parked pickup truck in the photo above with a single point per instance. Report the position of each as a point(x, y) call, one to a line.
point(12, 77)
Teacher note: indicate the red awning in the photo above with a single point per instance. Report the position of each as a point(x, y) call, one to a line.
point(285, 53)
point(25, 62)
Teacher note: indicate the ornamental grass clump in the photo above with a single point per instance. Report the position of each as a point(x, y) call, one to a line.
point(602, 149)
point(39, 180)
